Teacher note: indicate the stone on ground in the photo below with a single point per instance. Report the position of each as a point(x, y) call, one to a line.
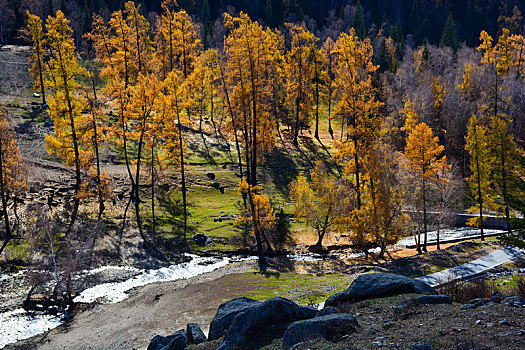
point(330, 327)
point(195, 334)
point(176, 341)
point(226, 313)
point(260, 325)
point(375, 285)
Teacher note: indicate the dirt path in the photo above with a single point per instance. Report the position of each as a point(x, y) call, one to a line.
point(160, 308)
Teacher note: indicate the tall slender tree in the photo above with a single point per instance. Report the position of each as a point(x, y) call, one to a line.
point(12, 176)
point(35, 34)
point(423, 152)
point(480, 168)
point(357, 104)
point(65, 103)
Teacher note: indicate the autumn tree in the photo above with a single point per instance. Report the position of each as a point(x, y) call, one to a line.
point(126, 51)
point(35, 34)
point(321, 201)
point(503, 151)
point(357, 103)
point(327, 49)
point(480, 168)
point(249, 51)
point(300, 73)
point(65, 103)
point(178, 49)
point(173, 145)
point(140, 111)
point(382, 212)
point(12, 176)
point(423, 153)
point(260, 214)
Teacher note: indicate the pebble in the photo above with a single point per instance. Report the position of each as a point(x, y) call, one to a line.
point(489, 325)
point(504, 323)
point(478, 322)
point(377, 343)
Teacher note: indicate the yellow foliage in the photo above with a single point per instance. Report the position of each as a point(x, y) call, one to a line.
point(423, 151)
point(262, 213)
point(411, 116)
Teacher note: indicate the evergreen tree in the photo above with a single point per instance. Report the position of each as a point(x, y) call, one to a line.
point(450, 35)
point(50, 8)
point(268, 13)
point(414, 19)
point(205, 11)
point(358, 22)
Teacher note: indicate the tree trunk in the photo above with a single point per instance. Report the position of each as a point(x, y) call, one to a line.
point(296, 129)
point(480, 199)
point(425, 228)
point(97, 156)
point(316, 105)
point(8, 233)
point(137, 186)
point(182, 173)
point(153, 189)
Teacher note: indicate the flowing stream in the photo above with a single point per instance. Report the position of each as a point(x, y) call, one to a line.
point(18, 324)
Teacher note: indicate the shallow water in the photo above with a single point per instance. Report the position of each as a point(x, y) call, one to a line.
point(446, 234)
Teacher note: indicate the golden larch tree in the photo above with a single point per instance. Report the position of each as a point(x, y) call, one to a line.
point(423, 153)
point(12, 175)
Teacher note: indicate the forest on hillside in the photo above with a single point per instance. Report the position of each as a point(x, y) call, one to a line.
point(407, 21)
point(411, 126)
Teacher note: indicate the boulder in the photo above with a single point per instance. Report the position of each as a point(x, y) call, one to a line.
point(330, 327)
point(424, 300)
point(514, 301)
point(176, 341)
point(421, 346)
point(211, 176)
point(375, 285)
point(226, 313)
point(260, 325)
point(328, 310)
point(200, 239)
point(473, 304)
point(195, 334)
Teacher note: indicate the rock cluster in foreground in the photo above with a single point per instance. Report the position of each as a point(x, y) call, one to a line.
point(244, 323)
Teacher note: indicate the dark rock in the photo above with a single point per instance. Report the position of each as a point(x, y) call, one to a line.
point(514, 301)
point(375, 285)
point(424, 300)
point(497, 297)
point(215, 184)
point(328, 310)
point(200, 239)
point(421, 346)
point(211, 176)
point(226, 313)
point(473, 304)
point(195, 334)
point(260, 325)
point(329, 327)
point(176, 341)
